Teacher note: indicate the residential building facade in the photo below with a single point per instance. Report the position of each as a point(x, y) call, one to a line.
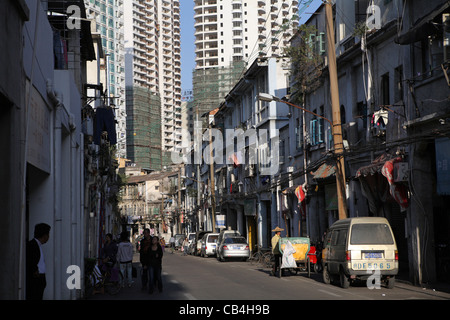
point(392, 67)
point(109, 22)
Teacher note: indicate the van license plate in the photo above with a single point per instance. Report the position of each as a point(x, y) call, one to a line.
point(373, 255)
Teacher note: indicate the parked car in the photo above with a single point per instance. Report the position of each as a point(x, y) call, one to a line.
point(355, 248)
point(179, 238)
point(191, 237)
point(233, 247)
point(209, 244)
point(226, 234)
point(197, 243)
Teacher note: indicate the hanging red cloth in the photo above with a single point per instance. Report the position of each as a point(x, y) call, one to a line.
point(397, 191)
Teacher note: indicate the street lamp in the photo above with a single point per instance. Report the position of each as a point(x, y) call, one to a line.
point(337, 142)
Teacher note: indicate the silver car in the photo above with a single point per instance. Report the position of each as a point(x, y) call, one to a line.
point(233, 247)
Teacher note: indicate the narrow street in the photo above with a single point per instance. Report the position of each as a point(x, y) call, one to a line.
point(194, 278)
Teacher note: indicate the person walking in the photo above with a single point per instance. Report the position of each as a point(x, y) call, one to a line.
point(144, 257)
point(125, 258)
point(155, 254)
point(172, 244)
point(109, 251)
point(163, 244)
point(276, 249)
point(35, 263)
point(185, 246)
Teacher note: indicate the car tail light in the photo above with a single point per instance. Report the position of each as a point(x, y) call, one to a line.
point(396, 255)
point(348, 255)
point(225, 248)
point(246, 247)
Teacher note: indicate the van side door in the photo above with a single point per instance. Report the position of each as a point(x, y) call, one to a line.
point(337, 250)
point(341, 248)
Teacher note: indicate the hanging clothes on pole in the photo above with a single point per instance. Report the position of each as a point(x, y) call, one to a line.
point(104, 120)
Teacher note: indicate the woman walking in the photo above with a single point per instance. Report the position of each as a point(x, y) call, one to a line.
point(155, 255)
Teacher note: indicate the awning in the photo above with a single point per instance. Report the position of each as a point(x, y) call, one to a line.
point(324, 171)
point(423, 27)
point(375, 166)
point(377, 181)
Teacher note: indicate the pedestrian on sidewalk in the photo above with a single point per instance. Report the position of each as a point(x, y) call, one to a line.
point(185, 246)
point(276, 249)
point(156, 254)
point(35, 263)
point(125, 258)
point(144, 257)
point(109, 251)
point(172, 244)
point(163, 244)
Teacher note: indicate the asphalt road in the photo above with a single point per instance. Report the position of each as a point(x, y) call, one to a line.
point(191, 278)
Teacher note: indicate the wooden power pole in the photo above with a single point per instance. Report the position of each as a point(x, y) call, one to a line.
point(337, 128)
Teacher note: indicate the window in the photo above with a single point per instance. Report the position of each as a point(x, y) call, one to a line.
point(385, 99)
point(316, 131)
point(398, 81)
point(371, 233)
point(362, 113)
point(339, 237)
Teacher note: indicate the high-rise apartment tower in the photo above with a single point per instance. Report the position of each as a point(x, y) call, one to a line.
point(153, 81)
point(230, 35)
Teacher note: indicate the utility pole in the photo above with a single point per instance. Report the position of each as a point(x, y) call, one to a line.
point(179, 199)
point(212, 184)
point(199, 146)
point(337, 129)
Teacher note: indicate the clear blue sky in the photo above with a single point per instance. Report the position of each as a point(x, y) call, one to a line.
point(188, 38)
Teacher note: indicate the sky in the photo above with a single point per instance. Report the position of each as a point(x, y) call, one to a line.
point(188, 38)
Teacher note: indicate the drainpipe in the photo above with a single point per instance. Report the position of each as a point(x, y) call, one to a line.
point(56, 99)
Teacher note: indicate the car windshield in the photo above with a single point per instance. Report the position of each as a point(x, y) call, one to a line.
point(212, 238)
point(235, 240)
point(231, 234)
point(371, 233)
point(192, 236)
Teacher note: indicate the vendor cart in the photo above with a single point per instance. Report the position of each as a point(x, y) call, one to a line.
point(301, 246)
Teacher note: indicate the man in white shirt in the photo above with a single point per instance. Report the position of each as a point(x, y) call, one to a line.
point(125, 258)
point(35, 266)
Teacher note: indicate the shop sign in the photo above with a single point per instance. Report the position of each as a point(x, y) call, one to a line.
point(220, 221)
point(38, 132)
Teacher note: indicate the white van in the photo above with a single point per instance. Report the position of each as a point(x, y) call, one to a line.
point(357, 248)
point(209, 243)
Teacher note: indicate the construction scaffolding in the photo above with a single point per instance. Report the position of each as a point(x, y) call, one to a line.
point(211, 85)
point(144, 127)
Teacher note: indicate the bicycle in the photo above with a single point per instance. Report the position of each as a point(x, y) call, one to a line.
point(98, 282)
point(256, 257)
point(268, 259)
